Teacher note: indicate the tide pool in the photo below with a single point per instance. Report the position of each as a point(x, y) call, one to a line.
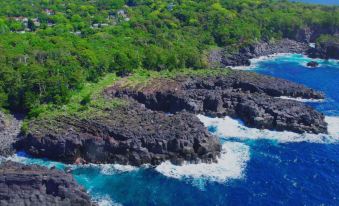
point(257, 167)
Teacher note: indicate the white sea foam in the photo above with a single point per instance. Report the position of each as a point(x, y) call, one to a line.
point(106, 169)
point(301, 99)
point(110, 169)
point(105, 201)
point(41, 162)
point(290, 57)
point(254, 62)
point(231, 165)
point(333, 125)
point(232, 128)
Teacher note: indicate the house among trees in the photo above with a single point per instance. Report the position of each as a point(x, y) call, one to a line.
point(49, 12)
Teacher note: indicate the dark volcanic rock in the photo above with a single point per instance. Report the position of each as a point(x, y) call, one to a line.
point(9, 130)
point(128, 134)
point(312, 64)
point(248, 96)
point(326, 50)
point(2, 121)
point(35, 185)
point(224, 58)
point(158, 120)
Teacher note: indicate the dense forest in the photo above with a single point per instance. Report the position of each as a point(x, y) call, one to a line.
point(50, 48)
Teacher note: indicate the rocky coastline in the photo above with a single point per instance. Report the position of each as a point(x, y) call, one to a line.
point(325, 50)
point(156, 123)
point(129, 134)
point(224, 57)
point(247, 96)
point(35, 185)
point(159, 122)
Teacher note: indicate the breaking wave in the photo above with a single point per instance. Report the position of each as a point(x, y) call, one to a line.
point(105, 169)
point(232, 128)
point(301, 99)
point(105, 201)
point(284, 57)
point(231, 165)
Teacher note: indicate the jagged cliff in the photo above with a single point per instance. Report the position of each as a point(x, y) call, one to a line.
point(158, 122)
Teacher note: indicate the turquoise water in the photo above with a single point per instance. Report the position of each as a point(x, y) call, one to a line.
point(257, 167)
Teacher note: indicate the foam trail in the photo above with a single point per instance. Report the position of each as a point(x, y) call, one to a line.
point(110, 169)
point(105, 201)
point(299, 99)
point(106, 169)
point(232, 128)
point(288, 57)
point(231, 165)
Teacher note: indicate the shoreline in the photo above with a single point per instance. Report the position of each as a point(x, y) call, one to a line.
point(254, 61)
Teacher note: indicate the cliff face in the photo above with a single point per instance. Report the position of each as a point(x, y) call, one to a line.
point(224, 58)
point(35, 185)
point(312, 33)
point(9, 130)
point(326, 50)
point(297, 42)
point(129, 134)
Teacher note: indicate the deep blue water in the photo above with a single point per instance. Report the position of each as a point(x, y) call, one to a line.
point(325, 78)
point(327, 2)
point(253, 171)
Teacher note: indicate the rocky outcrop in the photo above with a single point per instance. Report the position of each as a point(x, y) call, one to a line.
point(158, 122)
point(312, 33)
point(295, 42)
point(224, 57)
point(129, 134)
point(35, 185)
point(326, 50)
point(9, 130)
point(312, 64)
point(252, 98)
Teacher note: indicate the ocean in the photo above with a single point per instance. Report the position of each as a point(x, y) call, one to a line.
point(257, 167)
point(326, 2)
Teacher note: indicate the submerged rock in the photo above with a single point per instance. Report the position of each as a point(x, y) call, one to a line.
point(35, 185)
point(312, 64)
point(244, 95)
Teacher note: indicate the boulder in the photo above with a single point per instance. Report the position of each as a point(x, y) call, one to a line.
point(312, 64)
point(35, 185)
